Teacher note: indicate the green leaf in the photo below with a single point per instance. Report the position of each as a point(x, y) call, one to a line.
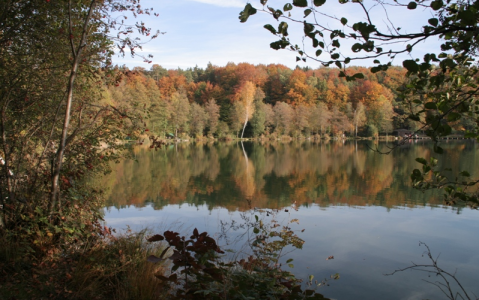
point(256, 230)
point(436, 5)
point(335, 55)
point(454, 116)
point(357, 47)
point(416, 175)
point(410, 65)
point(433, 22)
point(289, 260)
point(291, 266)
point(358, 76)
point(308, 27)
point(283, 28)
point(430, 105)
point(270, 28)
point(287, 7)
point(438, 149)
point(336, 44)
point(307, 12)
point(344, 21)
point(300, 3)
point(319, 2)
point(426, 169)
point(412, 5)
point(318, 52)
point(248, 11)
point(256, 217)
point(465, 174)
point(421, 160)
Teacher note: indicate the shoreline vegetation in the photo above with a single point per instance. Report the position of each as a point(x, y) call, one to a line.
point(152, 141)
point(143, 265)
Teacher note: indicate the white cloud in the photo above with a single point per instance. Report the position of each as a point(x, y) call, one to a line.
point(224, 3)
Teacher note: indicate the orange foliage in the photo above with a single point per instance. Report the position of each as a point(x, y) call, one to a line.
point(368, 92)
point(336, 95)
point(171, 83)
point(202, 92)
point(298, 91)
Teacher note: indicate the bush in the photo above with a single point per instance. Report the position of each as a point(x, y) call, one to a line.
point(199, 269)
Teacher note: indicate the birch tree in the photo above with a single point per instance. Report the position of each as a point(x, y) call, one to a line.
point(245, 96)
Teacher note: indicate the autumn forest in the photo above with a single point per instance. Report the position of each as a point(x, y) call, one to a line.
point(270, 101)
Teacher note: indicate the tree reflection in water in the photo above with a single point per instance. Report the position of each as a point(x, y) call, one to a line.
point(275, 174)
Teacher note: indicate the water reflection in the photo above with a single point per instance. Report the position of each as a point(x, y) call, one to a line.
point(353, 203)
point(274, 174)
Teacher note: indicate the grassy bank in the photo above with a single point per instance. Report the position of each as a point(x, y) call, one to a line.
point(143, 265)
point(107, 268)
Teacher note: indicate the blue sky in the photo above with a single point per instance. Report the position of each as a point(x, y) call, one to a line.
point(202, 31)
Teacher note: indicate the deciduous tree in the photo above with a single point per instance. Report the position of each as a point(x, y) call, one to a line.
point(213, 114)
point(180, 110)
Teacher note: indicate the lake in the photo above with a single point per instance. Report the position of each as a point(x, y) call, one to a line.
point(353, 204)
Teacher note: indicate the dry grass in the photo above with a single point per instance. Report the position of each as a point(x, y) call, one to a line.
point(112, 268)
point(117, 269)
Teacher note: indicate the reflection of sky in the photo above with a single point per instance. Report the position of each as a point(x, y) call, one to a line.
point(366, 243)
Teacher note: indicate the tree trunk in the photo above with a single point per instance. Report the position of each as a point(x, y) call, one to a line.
point(244, 126)
point(355, 123)
point(61, 149)
point(55, 191)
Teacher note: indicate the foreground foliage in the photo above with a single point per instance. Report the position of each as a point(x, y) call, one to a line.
point(57, 128)
point(199, 271)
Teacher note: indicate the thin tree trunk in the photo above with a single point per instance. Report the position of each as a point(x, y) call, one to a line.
point(55, 191)
point(6, 162)
point(244, 126)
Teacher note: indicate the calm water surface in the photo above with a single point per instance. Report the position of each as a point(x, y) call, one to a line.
point(354, 204)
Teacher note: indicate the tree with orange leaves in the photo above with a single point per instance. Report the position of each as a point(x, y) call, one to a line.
point(170, 84)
